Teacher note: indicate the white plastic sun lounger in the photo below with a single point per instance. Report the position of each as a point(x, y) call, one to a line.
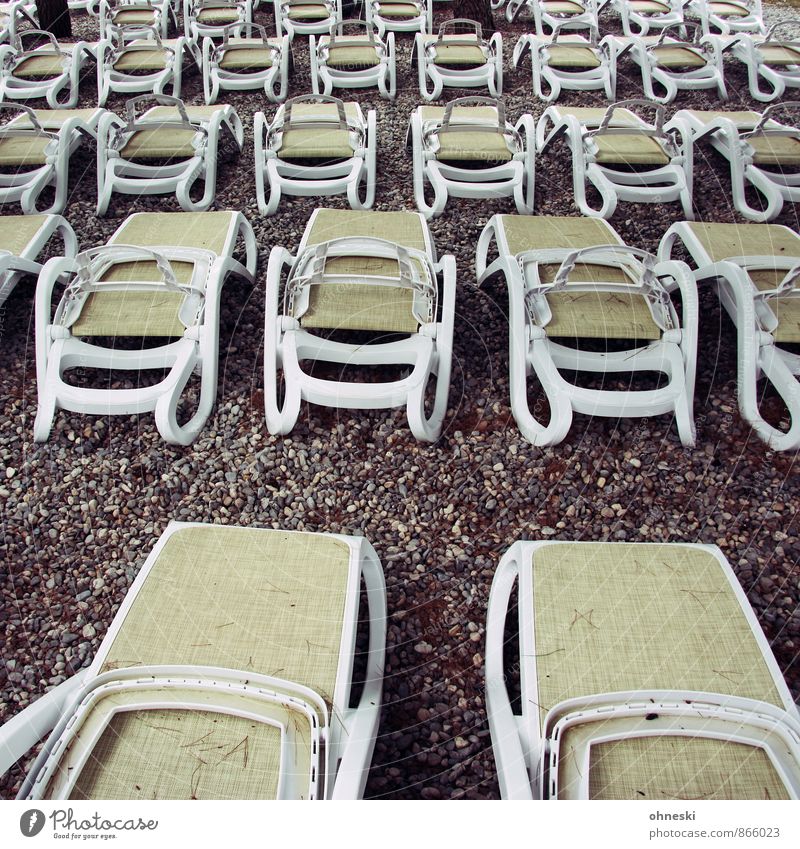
point(38, 144)
point(226, 674)
point(569, 62)
point(249, 61)
point(574, 278)
point(315, 146)
point(400, 15)
point(638, 17)
point(347, 59)
point(679, 63)
point(467, 149)
point(306, 17)
point(159, 276)
point(163, 150)
point(761, 150)
point(131, 19)
point(212, 18)
point(566, 14)
point(644, 675)
point(772, 61)
point(729, 16)
point(459, 57)
point(621, 154)
point(35, 64)
point(22, 239)
point(370, 271)
point(756, 270)
point(149, 64)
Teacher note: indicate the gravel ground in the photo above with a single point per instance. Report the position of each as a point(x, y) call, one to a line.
point(80, 513)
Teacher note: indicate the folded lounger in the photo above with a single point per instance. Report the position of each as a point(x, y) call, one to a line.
point(166, 149)
point(563, 14)
point(772, 61)
point(148, 64)
point(160, 275)
point(315, 145)
point(569, 62)
point(761, 150)
point(644, 675)
point(35, 64)
point(729, 16)
point(212, 18)
point(638, 17)
point(226, 674)
point(756, 269)
point(679, 62)
point(369, 271)
point(22, 239)
point(467, 149)
point(621, 154)
point(459, 57)
point(248, 61)
point(35, 148)
point(575, 278)
point(306, 17)
point(347, 59)
point(400, 15)
point(131, 19)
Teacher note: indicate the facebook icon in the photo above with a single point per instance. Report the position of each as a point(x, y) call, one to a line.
point(31, 822)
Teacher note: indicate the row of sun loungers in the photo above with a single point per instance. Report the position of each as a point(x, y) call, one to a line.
point(319, 145)
point(161, 275)
point(228, 673)
point(353, 55)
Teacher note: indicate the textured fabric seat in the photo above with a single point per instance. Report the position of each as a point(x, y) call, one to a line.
point(652, 678)
point(260, 711)
point(575, 279)
point(366, 271)
point(213, 18)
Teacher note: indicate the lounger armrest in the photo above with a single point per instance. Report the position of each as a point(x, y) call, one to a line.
point(53, 270)
point(690, 312)
point(30, 725)
point(10, 262)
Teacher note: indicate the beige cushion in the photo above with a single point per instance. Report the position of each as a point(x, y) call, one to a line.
point(630, 150)
point(778, 54)
point(317, 142)
point(677, 57)
point(563, 56)
point(463, 144)
point(360, 307)
point(311, 12)
point(18, 231)
point(728, 10)
point(774, 151)
point(351, 55)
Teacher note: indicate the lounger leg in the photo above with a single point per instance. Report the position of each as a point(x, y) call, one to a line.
point(785, 382)
point(512, 773)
